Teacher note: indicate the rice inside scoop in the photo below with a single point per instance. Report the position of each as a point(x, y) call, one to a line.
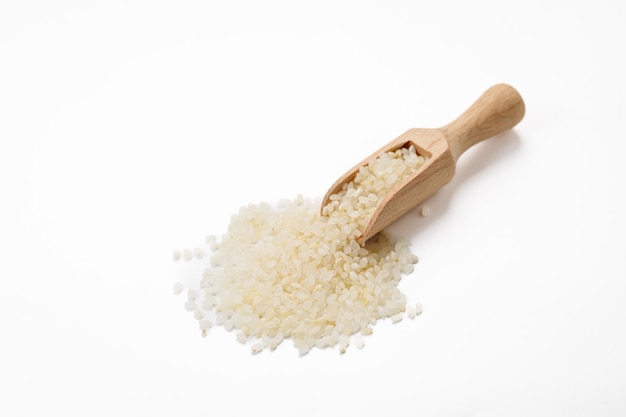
point(288, 272)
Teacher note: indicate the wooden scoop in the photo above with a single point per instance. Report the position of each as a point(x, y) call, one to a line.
point(498, 109)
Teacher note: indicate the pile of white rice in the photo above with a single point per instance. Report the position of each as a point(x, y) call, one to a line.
point(287, 272)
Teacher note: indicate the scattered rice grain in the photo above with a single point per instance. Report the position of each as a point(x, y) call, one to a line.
point(396, 318)
point(178, 288)
point(359, 342)
point(205, 324)
point(418, 309)
point(344, 342)
point(410, 312)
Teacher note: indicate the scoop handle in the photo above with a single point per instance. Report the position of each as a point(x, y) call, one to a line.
point(499, 108)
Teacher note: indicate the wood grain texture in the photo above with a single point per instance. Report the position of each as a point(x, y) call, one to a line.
point(497, 110)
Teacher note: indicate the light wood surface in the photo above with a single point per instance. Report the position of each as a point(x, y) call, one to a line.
point(499, 108)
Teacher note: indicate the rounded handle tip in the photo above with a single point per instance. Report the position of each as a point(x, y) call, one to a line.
point(498, 109)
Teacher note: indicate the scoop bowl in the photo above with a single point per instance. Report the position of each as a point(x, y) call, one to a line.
point(498, 109)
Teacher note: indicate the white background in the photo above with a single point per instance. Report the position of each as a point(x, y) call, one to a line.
point(132, 128)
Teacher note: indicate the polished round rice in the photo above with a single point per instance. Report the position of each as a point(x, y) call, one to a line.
point(287, 272)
